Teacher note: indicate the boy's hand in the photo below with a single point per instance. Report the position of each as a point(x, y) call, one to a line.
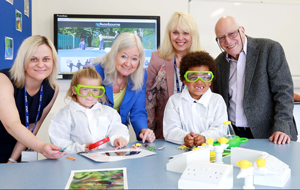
point(189, 140)
point(199, 140)
point(120, 143)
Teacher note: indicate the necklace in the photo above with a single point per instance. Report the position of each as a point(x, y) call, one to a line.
point(120, 85)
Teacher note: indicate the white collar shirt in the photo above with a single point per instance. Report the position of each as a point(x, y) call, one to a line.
point(75, 126)
point(236, 88)
point(184, 115)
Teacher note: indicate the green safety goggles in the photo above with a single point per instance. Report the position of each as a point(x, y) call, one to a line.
point(193, 76)
point(84, 90)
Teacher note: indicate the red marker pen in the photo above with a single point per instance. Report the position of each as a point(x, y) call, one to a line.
point(98, 143)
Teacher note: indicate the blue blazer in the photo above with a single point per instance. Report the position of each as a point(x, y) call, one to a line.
point(134, 102)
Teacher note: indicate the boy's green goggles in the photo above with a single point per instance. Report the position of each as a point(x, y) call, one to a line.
point(193, 76)
point(84, 90)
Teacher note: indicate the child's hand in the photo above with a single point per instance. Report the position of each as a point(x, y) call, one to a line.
point(189, 140)
point(86, 147)
point(120, 143)
point(199, 140)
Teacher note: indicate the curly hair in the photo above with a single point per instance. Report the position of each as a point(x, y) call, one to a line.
point(196, 59)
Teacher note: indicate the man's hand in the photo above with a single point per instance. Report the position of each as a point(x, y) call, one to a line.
point(279, 137)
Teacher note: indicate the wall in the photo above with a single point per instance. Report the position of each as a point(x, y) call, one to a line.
point(42, 24)
point(43, 10)
point(275, 19)
point(8, 29)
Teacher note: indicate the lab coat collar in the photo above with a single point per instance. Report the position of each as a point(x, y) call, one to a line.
point(204, 100)
point(77, 107)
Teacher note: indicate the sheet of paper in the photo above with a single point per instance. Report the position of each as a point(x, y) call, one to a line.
point(116, 155)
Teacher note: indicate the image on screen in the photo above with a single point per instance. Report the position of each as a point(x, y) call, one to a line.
point(79, 39)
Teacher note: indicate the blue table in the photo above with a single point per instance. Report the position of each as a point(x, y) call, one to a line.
point(148, 172)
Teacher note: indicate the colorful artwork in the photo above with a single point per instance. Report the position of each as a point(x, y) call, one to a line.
point(98, 179)
point(26, 7)
point(9, 48)
point(18, 20)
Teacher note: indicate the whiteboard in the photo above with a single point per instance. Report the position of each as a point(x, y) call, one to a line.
point(276, 21)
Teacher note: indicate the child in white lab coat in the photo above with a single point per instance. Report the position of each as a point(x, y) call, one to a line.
point(196, 113)
point(85, 120)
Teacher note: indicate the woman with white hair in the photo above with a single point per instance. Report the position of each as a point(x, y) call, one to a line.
point(124, 78)
point(29, 90)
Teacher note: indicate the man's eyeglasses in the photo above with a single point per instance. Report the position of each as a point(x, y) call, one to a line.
point(231, 35)
point(194, 76)
point(84, 90)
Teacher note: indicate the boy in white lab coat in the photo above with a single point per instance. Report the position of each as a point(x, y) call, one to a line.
point(196, 113)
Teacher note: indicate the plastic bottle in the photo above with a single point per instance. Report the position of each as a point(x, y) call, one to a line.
point(230, 134)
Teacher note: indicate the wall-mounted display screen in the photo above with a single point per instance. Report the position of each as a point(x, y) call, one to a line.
point(79, 39)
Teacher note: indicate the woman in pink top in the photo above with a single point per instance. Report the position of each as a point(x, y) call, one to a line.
point(181, 37)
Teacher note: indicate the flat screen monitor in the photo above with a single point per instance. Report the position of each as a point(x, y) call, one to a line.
point(79, 39)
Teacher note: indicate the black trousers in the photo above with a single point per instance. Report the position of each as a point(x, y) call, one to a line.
point(243, 132)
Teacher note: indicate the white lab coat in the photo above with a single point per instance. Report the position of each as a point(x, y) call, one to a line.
point(75, 126)
point(184, 115)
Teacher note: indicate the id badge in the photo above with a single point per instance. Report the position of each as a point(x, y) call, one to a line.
point(29, 155)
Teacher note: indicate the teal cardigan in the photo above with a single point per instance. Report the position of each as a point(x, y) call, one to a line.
point(134, 102)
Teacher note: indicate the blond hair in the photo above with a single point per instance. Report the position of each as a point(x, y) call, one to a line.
point(88, 73)
point(181, 21)
point(25, 53)
point(108, 62)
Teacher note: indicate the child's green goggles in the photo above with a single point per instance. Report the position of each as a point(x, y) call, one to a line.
point(193, 76)
point(84, 90)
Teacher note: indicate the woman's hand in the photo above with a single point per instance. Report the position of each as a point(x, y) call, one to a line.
point(51, 151)
point(147, 135)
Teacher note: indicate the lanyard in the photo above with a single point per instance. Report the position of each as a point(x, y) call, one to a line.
point(26, 107)
point(177, 81)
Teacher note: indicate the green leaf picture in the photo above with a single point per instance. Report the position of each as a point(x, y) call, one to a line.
point(107, 179)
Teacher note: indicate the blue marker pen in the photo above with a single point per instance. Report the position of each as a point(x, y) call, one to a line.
point(63, 149)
